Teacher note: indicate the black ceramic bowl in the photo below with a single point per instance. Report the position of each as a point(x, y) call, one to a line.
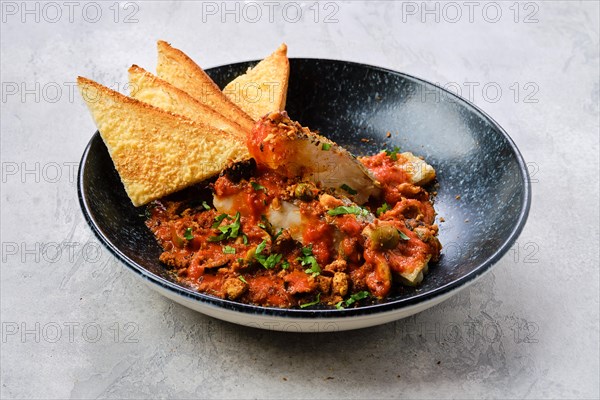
point(473, 157)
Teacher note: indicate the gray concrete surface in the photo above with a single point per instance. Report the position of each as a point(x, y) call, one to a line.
point(76, 324)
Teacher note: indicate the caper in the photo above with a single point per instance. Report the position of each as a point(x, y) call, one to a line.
point(385, 236)
point(249, 258)
point(304, 191)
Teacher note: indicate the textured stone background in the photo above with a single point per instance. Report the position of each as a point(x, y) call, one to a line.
point(76, 324)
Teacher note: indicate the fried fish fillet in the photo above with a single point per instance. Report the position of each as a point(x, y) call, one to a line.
point(292, 150)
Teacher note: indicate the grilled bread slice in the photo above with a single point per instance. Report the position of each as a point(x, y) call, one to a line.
point(156, 152)
point(263, 89)
point(158, 93)
point(179, 70)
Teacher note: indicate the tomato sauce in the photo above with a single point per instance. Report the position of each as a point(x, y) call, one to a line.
point(241, 256)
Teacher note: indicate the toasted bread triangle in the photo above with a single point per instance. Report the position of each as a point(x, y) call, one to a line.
point(152, 90)
point(156, 152)
point(181, 71)
point(263, 89)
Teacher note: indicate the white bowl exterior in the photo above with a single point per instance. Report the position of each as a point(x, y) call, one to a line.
point(302, 325)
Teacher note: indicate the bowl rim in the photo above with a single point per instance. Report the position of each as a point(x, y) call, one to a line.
point(463, 281)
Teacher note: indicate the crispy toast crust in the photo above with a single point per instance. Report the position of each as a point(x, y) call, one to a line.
point(175, 67)
point(263, 89)
point(151, 89)
point(156, 152)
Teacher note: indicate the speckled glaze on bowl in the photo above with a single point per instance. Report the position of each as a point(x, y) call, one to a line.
point(473, 156)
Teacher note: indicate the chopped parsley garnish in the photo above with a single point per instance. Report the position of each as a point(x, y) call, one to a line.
point(258, 186)
point(341, 210)
point(228, 250)
point(188, 234)
point(326, 147)
point(403, 235)
point(352, 299)
point(264, 223)
point(205, 205)
point(227, 231)
point(245, 239)
point(308, 258)
point(242, 279)
point(260, 247)
point(348, 189)
point(393, 154)
point(219, 219)
point(312, 303)
point(268, 227)
point(357, 296)
point(384, 207)
point(269, 261)
point(285, 264)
